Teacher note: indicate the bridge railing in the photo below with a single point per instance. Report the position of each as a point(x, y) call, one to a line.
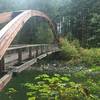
point(18, 54)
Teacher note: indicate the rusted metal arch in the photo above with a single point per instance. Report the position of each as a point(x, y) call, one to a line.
point(8, 33)
point(5, 17)
point(8, 16)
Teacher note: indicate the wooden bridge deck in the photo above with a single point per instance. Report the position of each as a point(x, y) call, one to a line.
point(19, 58)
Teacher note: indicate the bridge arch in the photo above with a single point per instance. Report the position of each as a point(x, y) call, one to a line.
point(8, 33)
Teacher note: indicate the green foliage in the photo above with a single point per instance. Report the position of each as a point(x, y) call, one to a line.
point(11, 92)
point(79, 84)
point(68, 48)
point(56, 87)
point(95, 68)
point(78, 55)
point(81, 18)
point(90, 56)
point(35, 31)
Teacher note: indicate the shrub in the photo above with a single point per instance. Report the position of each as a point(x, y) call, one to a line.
point(90, 56)
point(77, 55)
point(68, 49)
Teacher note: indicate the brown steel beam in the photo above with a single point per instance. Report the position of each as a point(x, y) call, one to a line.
point(8, 33)
point(5, 17)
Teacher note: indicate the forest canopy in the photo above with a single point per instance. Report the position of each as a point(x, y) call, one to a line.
point(79, 19)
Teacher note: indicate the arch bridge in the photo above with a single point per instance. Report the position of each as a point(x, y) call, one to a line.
point(16, 58)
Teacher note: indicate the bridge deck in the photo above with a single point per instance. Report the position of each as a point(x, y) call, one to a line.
point(19, 58)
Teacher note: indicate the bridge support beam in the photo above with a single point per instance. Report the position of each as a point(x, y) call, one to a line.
point(30, 52)
point(2, 65)
point(36, 52)
point(41, 48)
point(20, 56)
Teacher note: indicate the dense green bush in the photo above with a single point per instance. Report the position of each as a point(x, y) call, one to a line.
point(68, 48)
point(90, 56)
point(79, 55)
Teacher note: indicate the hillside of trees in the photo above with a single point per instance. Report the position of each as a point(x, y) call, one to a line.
point(79, 19)
point(73, 73)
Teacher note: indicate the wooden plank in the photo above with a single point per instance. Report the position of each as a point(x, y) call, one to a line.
point(49, 53)
point(42, 56)
point(2, 65)
point(24, 66)
point(24, 46)
point(4, 80)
